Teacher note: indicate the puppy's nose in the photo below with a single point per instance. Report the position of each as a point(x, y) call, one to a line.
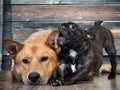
point(34, 77)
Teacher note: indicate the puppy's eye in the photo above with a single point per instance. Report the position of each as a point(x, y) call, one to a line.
point(63, 25)
point(72, 27)
point(25, 61)
point(43, 59)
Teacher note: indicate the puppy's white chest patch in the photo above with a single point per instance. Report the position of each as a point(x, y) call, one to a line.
point(62, 66)
point(73, 68)
point(72, 53)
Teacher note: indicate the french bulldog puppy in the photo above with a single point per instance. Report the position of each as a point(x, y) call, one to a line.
point(81, 53)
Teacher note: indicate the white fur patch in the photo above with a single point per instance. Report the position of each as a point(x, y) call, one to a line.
point(73, 53)
point(73, 68)
point(62, 66)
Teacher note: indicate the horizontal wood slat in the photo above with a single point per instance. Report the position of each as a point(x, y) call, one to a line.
point(24, 17)
point(7, 82)
point(67, 2)
point(26, 26)
point(52, 13)
point(21, 35)
point(91, 2)
point(21, 30)
point(32, 2)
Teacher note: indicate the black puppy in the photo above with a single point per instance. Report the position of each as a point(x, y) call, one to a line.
point(80, 57)
point(103, 38)
point(77, 57)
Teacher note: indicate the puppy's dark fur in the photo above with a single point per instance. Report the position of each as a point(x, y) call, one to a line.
point(104, 39)
point(86, 55)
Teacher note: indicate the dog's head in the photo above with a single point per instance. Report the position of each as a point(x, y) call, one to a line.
point(71, 33)
point(34, 62)
point(68, 29)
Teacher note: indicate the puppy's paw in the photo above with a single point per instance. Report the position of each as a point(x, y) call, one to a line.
point(55, 83)
point(89, 79)
point(112, 75)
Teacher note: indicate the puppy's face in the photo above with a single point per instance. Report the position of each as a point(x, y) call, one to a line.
point(68, 29)
point(34, 62)
point(71, 33)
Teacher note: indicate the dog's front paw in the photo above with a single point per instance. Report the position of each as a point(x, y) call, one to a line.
point(112, 75)
point(55, 83)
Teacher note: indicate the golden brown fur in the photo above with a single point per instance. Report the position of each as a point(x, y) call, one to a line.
point(39, 45)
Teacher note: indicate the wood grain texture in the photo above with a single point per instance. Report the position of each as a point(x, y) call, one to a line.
point(114, 26)
point(32, 2)
point(35, 26)
point(20, 20)
point(54, 13)
point(99, 83)
point(90, 2)
point(21, 30)
point(67, 2)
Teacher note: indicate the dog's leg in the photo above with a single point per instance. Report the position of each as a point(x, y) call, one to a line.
point(112, 56)
point(59, 74)
point(80, 75)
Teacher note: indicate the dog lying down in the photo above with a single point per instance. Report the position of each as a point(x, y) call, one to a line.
point(81, 53)
point(36, 58)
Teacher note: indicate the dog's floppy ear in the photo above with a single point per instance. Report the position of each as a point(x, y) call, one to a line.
point(13, 47)
point(52, 41)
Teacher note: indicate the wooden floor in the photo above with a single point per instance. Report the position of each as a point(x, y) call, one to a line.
point(99, 83)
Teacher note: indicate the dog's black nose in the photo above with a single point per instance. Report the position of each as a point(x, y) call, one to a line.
point(34, 77)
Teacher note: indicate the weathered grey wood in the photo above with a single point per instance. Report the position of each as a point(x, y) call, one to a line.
point(22, 20)
point(21, 30)
point(53, 13)
point(67, 2)
point(1, 24)
point(34, 26)
point(32, 2)
point(91, 2)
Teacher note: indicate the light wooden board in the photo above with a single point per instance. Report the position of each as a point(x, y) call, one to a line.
point(99, 83)
point(53, 13)
point(67, 2)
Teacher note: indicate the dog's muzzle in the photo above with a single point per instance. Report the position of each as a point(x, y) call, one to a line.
point(35, 79)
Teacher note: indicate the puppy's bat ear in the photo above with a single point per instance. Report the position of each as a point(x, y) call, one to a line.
point(52, 41)
point(13, 47)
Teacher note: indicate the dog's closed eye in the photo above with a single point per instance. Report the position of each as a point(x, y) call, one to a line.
point(25, 61)
point(45, 58)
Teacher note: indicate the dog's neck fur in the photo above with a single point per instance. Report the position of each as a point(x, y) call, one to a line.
point(73, 52)
point(84, 48)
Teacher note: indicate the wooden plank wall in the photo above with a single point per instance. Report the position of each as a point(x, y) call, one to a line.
point(23, 17)
point(1, 25)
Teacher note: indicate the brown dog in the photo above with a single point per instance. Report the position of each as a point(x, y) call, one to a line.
point(36, 58)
